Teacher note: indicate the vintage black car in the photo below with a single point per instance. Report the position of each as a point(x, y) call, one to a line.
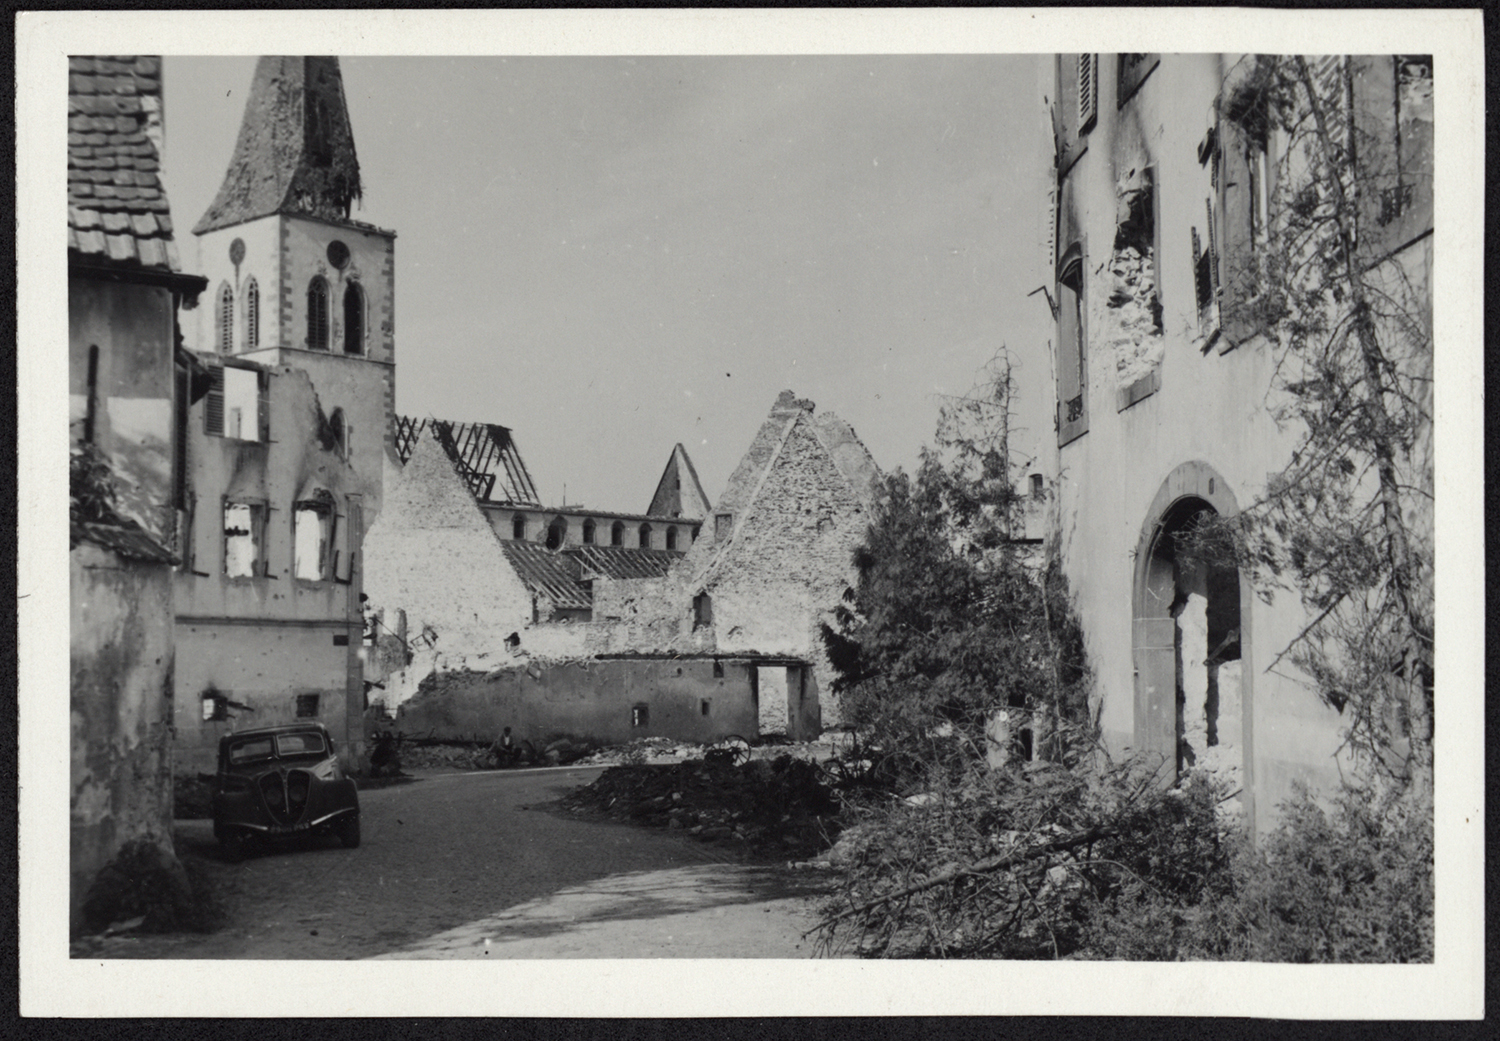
point(282, 780)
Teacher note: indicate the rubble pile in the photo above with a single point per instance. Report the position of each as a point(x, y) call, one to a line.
point(782, 806)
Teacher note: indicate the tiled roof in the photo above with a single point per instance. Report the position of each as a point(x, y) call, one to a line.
point(485, 455)
point(117, 208)
point(621, 562)
point(551, 574)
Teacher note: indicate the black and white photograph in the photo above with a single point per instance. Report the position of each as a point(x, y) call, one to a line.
point(808, 493)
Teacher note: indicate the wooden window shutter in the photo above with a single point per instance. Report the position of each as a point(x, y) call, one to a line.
point(1088, 90)
point(263, 405)
point(1049, 233)
point(213, 411)
point(1213, 253)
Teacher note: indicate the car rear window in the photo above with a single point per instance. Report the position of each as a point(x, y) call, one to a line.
point(248, 751)
point(298, 744)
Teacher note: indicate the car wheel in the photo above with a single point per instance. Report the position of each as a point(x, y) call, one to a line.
point(349, 831)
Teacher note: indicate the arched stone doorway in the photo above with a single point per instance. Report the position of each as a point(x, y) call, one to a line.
point(1192, 695)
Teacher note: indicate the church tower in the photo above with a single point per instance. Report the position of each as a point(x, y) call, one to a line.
point(293, 281)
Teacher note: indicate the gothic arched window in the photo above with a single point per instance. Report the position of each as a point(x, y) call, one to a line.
point(354, 319)
point(226, 319)
point(252, 315)
point(317, 314)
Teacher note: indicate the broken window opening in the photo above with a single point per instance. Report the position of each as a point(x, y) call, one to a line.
point(671, 538)
point(252, 315)
point(1037, 486)
point(307, 706)
point(703, 618)
point(640, 715)
point(694, 535)
point(226, 319)
point(723, 525)
point(557, 534)
point(718, 669)
point(239, 404)
point(312, 537)
point(317, 314)
point(588, 532)
point(645, 536)
point(617, 534)
point(518, 526)
point(354, 319)
point(244, 539)
point(215, 707)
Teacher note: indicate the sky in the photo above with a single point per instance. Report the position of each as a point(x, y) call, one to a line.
point(611, 255)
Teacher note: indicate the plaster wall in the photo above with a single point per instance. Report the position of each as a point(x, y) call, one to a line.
point(132, 327)
point(586, 699)
point(1209, 408)
point(265, 665)
point(121, 662)
point(262, 639)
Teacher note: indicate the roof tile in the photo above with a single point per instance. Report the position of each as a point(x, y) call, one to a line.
point(120, 247)
point(117, 206)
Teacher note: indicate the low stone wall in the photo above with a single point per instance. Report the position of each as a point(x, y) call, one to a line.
point(598, 699)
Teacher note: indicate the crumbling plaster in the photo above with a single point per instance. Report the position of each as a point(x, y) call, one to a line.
point(121, 662)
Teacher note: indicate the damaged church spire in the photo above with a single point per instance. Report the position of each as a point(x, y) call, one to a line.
point(295, 152)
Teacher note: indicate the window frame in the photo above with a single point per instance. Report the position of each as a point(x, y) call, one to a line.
point(1072, 360)
point(319, 324)
point(252, 314)
point(356, 335)
point(260, 563)
point(224, 319)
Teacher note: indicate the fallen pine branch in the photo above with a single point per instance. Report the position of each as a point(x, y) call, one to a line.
point(981, 867)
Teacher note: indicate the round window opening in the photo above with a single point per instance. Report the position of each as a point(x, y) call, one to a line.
point(338, 254)
point(237, 252)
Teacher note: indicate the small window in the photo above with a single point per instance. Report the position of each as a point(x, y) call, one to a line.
point(694, 535)
point(645, 536)
point(703, 617)
point(215, 707)
point(244, 539)
point(588, 532)
point(718, 669)
point(671, 538)
point(252, 315)
point(317, 314)
point(226, 319)
point(723, 525)
point(354, 319)
point(307, 707)
point(1036, 486)
point(557, 534)
point(518, 526)
point(617, 534)
point(640, 715)
point(703, 707)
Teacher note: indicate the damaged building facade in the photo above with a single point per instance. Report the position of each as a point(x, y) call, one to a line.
point(286, 452)
point(1164, 370)
point(129, 383)
point(487, 610)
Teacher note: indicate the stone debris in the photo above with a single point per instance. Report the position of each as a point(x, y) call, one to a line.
point(783, 806)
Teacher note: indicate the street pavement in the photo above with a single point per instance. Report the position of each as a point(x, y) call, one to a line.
point(452, 860)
